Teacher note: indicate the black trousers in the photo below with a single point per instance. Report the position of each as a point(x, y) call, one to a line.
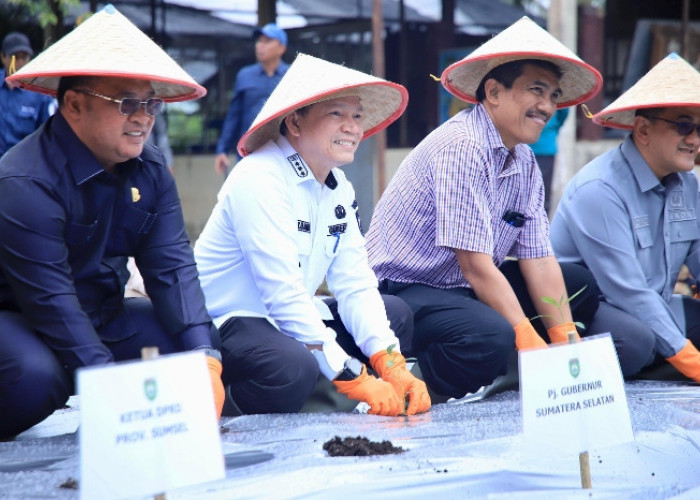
point(463, 344)
point(34, 383)
point(269, 372)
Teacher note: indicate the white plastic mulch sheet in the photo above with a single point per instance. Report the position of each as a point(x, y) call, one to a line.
point(457, 450)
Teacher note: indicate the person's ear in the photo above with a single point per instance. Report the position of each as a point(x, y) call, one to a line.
point(73, 104)
point(492, 91)
point(641, 130)
point(292, 122)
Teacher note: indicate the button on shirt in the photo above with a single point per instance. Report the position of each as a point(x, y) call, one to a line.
point(451, 192)
point(273, 235)
point(21, 113)
point(633, 232)
point(66, 228)
point(253, 87)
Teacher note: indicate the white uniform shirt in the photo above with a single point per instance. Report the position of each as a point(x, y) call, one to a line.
point(273, 236)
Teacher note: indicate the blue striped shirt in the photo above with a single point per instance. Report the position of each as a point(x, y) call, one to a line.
point(451, 192)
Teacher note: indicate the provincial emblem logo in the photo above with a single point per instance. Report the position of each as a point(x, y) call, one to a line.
point(574, 367)
point(150, 388)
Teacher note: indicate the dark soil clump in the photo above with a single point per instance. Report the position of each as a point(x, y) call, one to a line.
point(359, 447)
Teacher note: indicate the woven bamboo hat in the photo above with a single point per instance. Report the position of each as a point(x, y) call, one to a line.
point(108, 44)
point(309, 80)
point(671, 83)
point(523, 39)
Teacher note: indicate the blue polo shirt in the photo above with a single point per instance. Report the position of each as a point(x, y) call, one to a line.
point(21, 113)
point(250, 92)
point(66, 229)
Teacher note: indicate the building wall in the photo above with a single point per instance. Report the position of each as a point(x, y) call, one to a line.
point(198, 184)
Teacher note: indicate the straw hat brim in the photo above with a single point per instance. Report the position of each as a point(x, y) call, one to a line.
point(579, 81)
point(672, 83)
point(524, 39)
point(107, 44)
point(310, 80)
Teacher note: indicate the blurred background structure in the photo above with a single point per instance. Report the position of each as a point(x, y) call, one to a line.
point(405, 41)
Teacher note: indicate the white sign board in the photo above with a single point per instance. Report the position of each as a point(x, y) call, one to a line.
point(573, 396)
point(147, 427)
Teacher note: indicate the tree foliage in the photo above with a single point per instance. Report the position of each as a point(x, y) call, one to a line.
point(48, 12)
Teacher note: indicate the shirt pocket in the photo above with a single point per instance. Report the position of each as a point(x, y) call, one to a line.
point(303, 241)
point(645, 243)
point(135, 224)
point(684, 230)
point(78, 235)
point(335, 239)
point(506, 239)
point(682, 234)
point(643, 237)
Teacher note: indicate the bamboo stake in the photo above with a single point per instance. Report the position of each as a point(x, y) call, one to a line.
point(148, 353)
point(583, 458)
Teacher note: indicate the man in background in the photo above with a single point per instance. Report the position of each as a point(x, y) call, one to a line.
point(545, 150)
point(21, 111)
point(254, 84)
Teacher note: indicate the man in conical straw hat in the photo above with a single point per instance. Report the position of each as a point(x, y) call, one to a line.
point(77, 198)
point(631, 215)
point(286, 218)
point(470, 195)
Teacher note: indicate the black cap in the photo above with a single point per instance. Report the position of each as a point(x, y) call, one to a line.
point(16, 42)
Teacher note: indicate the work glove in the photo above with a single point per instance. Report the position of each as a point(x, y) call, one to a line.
point(217, 386)
point(560, 333)
point(687, 361)
point(526, 337)
point(378, 394)
point(392, 368)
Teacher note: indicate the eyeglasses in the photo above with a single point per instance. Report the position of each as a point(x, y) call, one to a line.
point(683, 128)
point(130, 105)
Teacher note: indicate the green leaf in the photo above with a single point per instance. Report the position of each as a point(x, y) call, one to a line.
point(577, 293)
point(550, 300)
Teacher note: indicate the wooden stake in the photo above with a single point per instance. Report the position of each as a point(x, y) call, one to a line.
point(149, 353)
point(583, 458)
point(146, 354)
point(585, 466)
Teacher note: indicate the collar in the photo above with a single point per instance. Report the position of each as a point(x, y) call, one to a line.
point(645, 177)
point(295, 164)
point(4, 83)
point(279, 70)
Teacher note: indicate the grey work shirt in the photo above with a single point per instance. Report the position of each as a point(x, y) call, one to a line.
point(633, 232)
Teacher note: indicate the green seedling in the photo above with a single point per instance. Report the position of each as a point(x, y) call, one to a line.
point(558, 304)
point(390, 363)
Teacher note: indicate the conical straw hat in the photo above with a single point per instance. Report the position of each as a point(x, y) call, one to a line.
point(108, 44)
point(671, 83)
point(309, 80)
point(523, 39)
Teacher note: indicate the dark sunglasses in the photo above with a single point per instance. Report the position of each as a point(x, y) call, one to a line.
point(130, 105)
point(683, 128)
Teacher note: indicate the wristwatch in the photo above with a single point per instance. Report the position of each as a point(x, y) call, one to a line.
point(351, 370)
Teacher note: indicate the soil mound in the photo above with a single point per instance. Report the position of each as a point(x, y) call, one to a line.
point(359, 447)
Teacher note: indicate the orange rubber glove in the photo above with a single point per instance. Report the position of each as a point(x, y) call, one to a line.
point(526, 337)
point(560, 333)
point(217, 386)
point(687, 361)
point(379, 395)
point(392, 368)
